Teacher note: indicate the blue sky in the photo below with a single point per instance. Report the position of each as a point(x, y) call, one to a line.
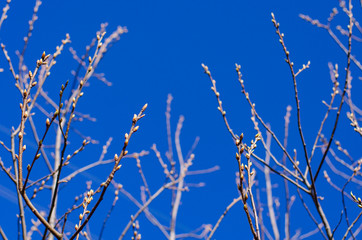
point(161, 54)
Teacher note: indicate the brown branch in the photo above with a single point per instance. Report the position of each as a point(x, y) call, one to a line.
point(344, 91)
point(291, 64)
point(116, 167)
point(41, 218)
point(36, 138)
point(64, 123)
point(19, 197)
point(334, 93)
point(342, 192)
point(254, 112)
point(220, 108)
point(310, 214)
point(313, 179)
point(283, 166)
point(331, 33)
point(350, 227)
point(37, 154)
point(281, 174)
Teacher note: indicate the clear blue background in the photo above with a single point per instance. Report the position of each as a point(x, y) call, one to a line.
point(161, 54)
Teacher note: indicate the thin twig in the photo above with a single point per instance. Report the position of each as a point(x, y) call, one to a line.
point(344, 91)
point(334, 93)
point(352, 224)
point(254, 112)
point(169, 134)
point(236, 200)
point(5, 10)
point(297, 101)
point(220, 108)
point(148, 214)
point(3, 234)
point(145, 206)
point(116, 167)
point(310, 214)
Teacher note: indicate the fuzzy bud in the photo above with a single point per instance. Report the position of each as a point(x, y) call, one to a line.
point(144, 107)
